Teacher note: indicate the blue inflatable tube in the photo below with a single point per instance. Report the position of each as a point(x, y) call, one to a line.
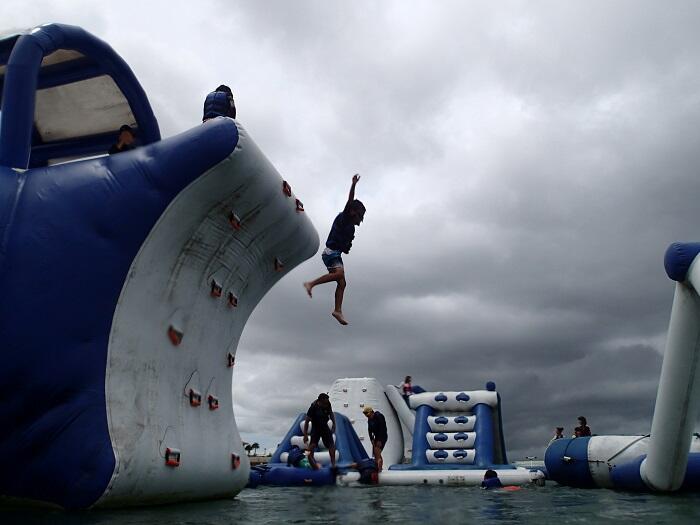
point(279, 474)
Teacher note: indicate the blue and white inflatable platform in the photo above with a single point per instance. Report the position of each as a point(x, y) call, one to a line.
point(438, 438)
point(126, 282)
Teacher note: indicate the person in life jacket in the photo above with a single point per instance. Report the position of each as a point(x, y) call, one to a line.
point(295, 457)
point(219, 103)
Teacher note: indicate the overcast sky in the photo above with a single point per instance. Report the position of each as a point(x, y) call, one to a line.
point(524, 167)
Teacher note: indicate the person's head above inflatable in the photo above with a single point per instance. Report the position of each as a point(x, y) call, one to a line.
point(219, 103)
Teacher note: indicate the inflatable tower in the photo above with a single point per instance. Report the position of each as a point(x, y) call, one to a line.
point(127, 280)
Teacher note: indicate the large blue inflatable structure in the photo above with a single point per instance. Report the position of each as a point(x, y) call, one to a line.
point(126, 282)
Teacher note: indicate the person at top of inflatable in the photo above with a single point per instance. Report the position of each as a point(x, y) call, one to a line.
point(125, 141)
point(376, 428)
point(219, 103)
point(406, 388)
point(582, 429)
point(558, 434)
point(340, 241)
point(318, 415)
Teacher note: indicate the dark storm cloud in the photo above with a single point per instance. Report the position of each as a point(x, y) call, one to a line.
point(524, 167)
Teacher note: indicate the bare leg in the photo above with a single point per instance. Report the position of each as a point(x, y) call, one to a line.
point(339, 292)
point(378, 457)
point(312, 460)
point(331, 450)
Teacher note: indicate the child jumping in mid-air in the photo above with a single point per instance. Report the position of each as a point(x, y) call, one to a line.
point(339, 242)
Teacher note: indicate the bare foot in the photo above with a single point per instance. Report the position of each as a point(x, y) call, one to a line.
point(308, 288)
point(339, 317)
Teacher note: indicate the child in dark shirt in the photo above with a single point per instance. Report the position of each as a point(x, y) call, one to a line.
point(340, 241)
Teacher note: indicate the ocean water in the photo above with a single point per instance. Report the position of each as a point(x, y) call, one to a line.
point(405, 505)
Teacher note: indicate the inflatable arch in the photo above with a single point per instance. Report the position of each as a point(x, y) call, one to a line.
point(126, 282)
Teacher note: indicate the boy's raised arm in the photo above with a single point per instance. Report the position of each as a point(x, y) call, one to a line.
point(355, 178)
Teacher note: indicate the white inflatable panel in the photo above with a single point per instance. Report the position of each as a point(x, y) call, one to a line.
point(605, 452)
point(301, 425)
point(169, 285)
point(451, 424)
point(299, 442)
point(460, 456)
point(454, 401)
point(350, 395)
point(324, 458)
point(407, 418)
point(453, 439)
point(472, 478)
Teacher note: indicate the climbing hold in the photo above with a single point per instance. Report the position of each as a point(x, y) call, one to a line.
point(460, 454)
point(195, 398)
point(286, 188)
point(440, 437)
point(300, 206)
point(441, 398)
point(279, 265)
point(172, 457)
point(461, 420)
point(232, 300)
point(235, 461)
point(216, 288)
point(345, 405)
point(213, 402)
point(442, 420)
point(174, 335)
point(231, 360)
point(234, 221)
point(462, 397)
point(461, 436)
point(441, 455)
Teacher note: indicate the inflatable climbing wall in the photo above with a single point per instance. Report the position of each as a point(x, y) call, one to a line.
point(127, 281)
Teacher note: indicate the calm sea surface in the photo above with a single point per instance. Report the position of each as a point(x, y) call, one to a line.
point(425, 505)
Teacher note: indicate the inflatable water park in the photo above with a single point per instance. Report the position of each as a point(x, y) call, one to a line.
point(128, 279)
point(433, 438)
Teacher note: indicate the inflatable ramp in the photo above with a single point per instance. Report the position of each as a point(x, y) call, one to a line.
point(348, 450)
point(127, 281)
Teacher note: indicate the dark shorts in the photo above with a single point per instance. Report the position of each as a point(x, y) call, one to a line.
point(333, 259)
point(380, 442)
point(323, 435)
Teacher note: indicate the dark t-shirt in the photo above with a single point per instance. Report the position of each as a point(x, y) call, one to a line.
point(582, 431)
point(342, 233)
point(319, 417)
point(376, 426)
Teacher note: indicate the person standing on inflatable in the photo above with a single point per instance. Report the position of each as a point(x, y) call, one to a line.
point(376, 428)
point(340, 241)
point(318, 415)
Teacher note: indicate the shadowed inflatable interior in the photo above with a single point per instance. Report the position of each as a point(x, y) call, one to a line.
point(127, 281)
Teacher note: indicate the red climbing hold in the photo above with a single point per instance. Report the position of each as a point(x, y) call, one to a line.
point(213, 402)
point(300, 205)
point(174, 335)
point(216, 289)
point(235, 461)
point(195, 398)
point(234, 221)
point(232, 300)
point(286, 188)
point(172, 457)
point(231, 360)
point(279, 265)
